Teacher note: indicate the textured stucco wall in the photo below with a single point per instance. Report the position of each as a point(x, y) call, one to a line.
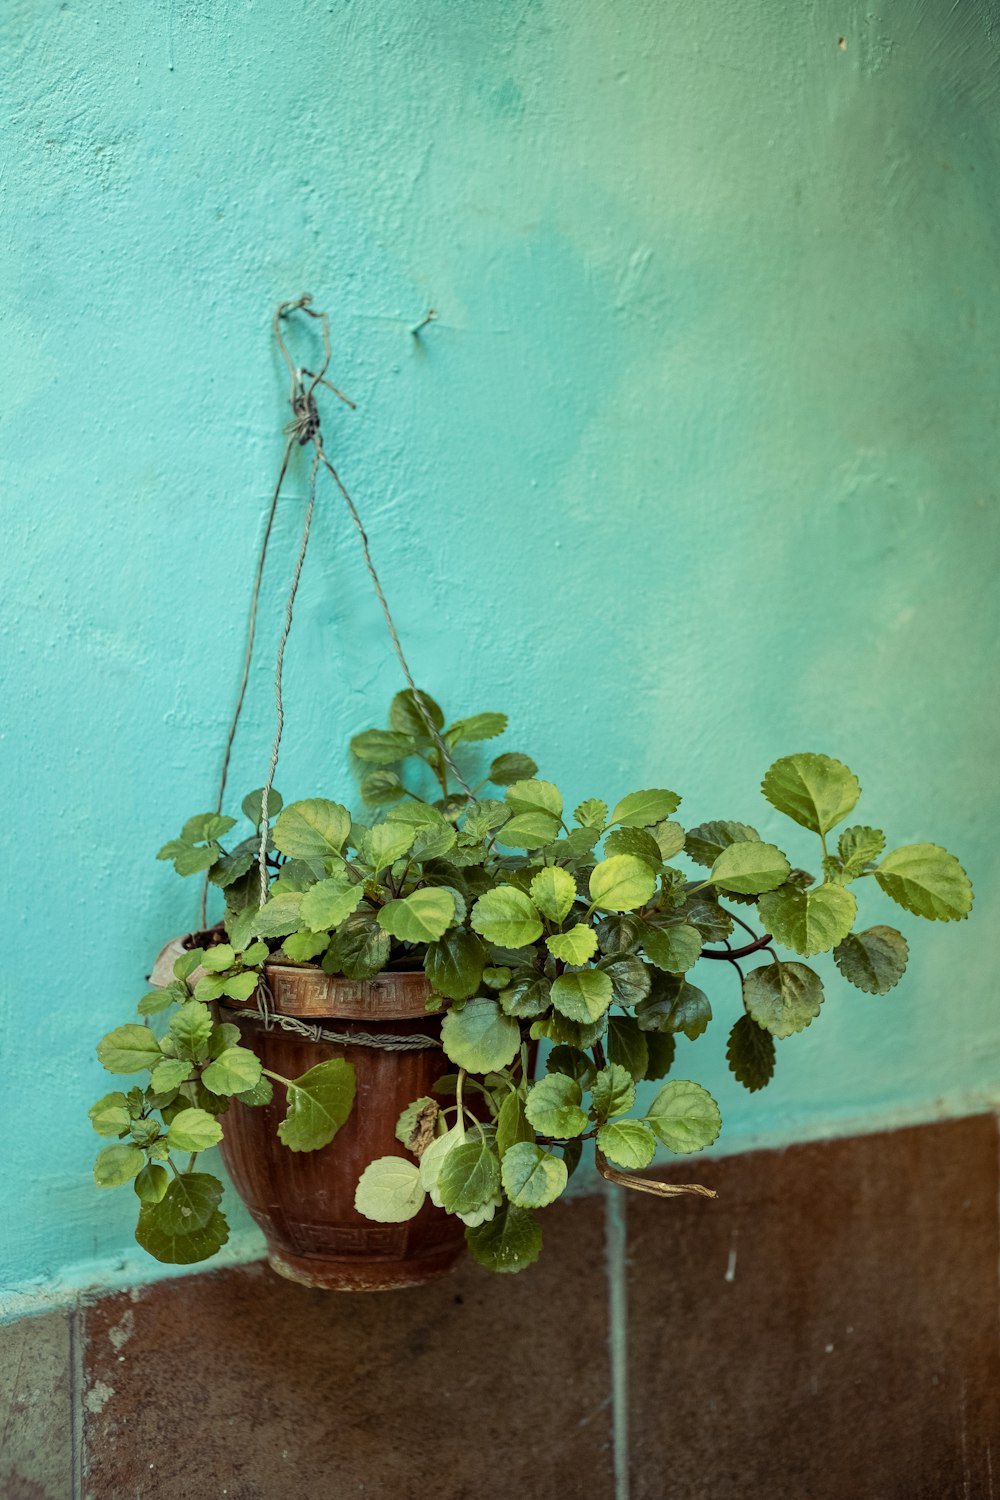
point(698, 465)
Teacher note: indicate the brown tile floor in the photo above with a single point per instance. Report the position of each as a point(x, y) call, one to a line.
point(826, 1330)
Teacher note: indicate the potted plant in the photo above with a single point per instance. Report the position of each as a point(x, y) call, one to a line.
point(359, 1032)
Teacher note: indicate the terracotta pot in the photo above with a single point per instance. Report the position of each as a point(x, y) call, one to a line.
point(304, 1200)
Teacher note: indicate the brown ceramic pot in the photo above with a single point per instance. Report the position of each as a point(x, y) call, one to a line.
point(304, 1200)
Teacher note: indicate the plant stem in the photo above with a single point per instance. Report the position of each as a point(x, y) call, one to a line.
point(745, 952)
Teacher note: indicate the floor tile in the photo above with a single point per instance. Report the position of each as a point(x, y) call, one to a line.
point(36, 1425)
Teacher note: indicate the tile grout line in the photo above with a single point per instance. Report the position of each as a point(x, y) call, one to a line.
point(76, 1384)
point(616, 1244)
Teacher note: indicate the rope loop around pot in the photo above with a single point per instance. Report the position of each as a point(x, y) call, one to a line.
point(384, 1041)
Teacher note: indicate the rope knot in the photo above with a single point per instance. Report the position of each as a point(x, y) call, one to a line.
point(304, 425)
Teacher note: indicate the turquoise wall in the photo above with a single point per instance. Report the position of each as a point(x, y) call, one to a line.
point(696, 467)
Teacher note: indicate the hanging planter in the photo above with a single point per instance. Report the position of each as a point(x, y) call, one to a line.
point(359, 1033)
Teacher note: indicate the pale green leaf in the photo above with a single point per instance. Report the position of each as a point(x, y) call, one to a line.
point(387, 842)
point(512, 1123)
point(469, 1176)
point(389, 1190)
point(319, 1102)
point(928, 881)
point(234, 1071)
point(874, 960)
point(479, 1037)
point(582, 995)
point(750, 867)
point(128, 1049)
point(433, 835)
point(193, 1130)
point(116, 1165)
point(529, 830)
point(218, 958)
point(574, 946)
point(813, 790)
point(280, 916)
point(110, 1116)
point(151, 1183)
point(783, 997)
point(169, 1074)
point(535, 796)
point(858, 846)
point(706, 842)
point(685, 1117)
point(190, 1030)
point(673, 949)
point(637, 841)
point(253, 803)
point(621, 883)
point(553, 1106)
point(808, 921)
point(155, 1001)
point(628, 1143)
point(613, 1091)
point(553, 891)
point(422, 917)
point(313, 829)
point(642, 809)
point(301, 947)
point(379, 788)
point(478, 727)
point(592, 813)
point(329, 902)
point(507, 917)
point(532, 1177)
point(669, 839)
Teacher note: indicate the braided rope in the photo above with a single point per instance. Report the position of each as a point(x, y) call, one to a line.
point(386, 1042)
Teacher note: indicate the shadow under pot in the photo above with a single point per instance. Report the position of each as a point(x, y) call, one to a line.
point(304, 1200)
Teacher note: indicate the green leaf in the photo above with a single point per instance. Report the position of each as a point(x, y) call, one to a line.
point(204, 827)
point(434, 1157)
point(620, 934)
point(389, 1190)
point(280, 916)
point(706, 842)
point(233, 1072)
point(530, 796)
point(416, 1119)
point(382, 845)
point(190, 1029)
point(252, 803)
point(319, 1102)
point(669, 839)
point(507, 917)
point(627, 1046)
point(533, 1178)
point(328, 902)
point(261, 1093)
point(240, 925)
point(812, 790)
point(179, 1249)
point(218, 958)
point(169, 1074)
point(110, 1116)
point(379, 788)
point(874, 960)
point(783, 997)
point(642, 809)
point(529, 830)
point(481, 818)
point(434, 835)
point(574, 946)
point(151, 1183)
point(621, 883)
point(573, 1063)
point(509, 768)
point(193, 1130)
point(529, 995)
point(209, 987)
point(116, 1165)
point(157, 1000)
point(662, 1047)
point(479, 1037)
point(469, 1177)
point(613, 1091)
point(301, 947)
point(553, 1106)
point(673, 949)
point(592, 813)
point(408, 716)
point(928, 881)
point(750, 1054)
point(749, 868)
point(858, 846)
point(421, 917)
point(627, 1143)
point(512, 1123)
point(360, 948)
point(685, 1117)
point(313, 829)
point(675, 1005)
point(188, 1203)
point(553, 891)
point(509, 1242)
point(454, 964)
point(188, 860)
point(637, 841)
point(808, 921)
point(128, 1049)
point(582, 995)
point(382, 747)
point(478, 727)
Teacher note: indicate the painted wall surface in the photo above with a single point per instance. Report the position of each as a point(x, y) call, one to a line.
point(696, 467)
